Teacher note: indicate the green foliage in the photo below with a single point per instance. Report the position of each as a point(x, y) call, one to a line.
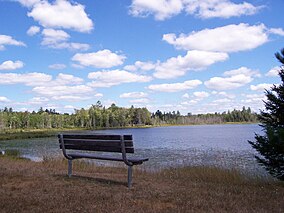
point(271, 145)
point(244, 115)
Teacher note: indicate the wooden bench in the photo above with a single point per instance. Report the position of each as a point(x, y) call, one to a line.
point(99, 143)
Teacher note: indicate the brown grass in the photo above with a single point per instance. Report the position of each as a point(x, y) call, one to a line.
point(27, 186)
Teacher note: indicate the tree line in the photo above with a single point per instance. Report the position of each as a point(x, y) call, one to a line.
point(98, 116)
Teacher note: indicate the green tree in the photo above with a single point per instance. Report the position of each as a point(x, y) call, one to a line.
point(271, 145)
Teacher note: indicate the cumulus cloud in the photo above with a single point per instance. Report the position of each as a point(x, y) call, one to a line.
point(58, 39)
point(277, 31)
point(64, 79)
point(230, 38)
point(161, 9)
point(11, 65)
point(219, 8)
point(57, 66)
point(142, 66)
point(8, 40)
point(29, 79)
point(185, 95)
point(60, 14)
point(164, 9)
point(175, 87)
point(193, 60)
point(273, 72)
point(201, 94)
point(29, 3)
point(233, 82)
point(140, 101)
point(225, 94)
point(134, 95)
point(261, 87)
point(234, 79)
point(101, 59)
point(63, 92)
point(243, 70)
point(115, 77)
point(33, 30)
point(4, 99)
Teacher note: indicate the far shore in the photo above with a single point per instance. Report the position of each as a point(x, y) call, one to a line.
point(11, 134)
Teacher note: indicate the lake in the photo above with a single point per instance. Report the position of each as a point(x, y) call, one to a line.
point(224, 146)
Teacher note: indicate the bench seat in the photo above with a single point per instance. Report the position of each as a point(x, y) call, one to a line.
point(135, 161)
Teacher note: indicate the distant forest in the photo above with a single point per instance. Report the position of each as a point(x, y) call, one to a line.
point(98, 116)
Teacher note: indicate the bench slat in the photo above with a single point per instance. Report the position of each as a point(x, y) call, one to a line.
point(97, 148)
point(97, 137)
point(90, 142)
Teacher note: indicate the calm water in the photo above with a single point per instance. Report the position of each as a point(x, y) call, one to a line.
point(219, 145)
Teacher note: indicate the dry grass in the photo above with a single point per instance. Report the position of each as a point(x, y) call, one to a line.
point(43, 186)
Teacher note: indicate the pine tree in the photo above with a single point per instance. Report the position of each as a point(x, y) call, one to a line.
point(271, 145)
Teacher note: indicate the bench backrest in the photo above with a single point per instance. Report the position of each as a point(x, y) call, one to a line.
point(103, 143)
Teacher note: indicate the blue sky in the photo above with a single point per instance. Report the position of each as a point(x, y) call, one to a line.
point(187, 55)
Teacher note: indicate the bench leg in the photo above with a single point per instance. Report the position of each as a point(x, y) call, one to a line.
point(69, 168)
point(129, 176)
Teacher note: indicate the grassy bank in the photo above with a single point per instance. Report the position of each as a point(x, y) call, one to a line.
point(32, 133)
point(27, 186)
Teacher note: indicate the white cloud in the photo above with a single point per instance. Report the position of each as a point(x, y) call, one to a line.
point(234, 79)
point(57, 66)
point(261, 87)
point(186, 95)
point(8, 40)
point(33, 30)
point(29, 79)
point(60, 14)
point(230, 38)
point(115, 77)
point(233, 82)
point(231, 96)
point(161, 9)
point(64, 92)
point(142, 66)
point(193, 60)
point(39, 79)
point(64, 79)
point(134, 95)
point(201, 95)
point(11, 65)
point(140, 101)
point(189, 103)
point(219, 8)
point(37, 101)
point(175, 87)
point(29, 3)
point(101, 59)
point(222, 100)
point(4, 99)
point(273, 72)
point(277, 31)
point(57, 39)
point(164, 9)
point(244, 71)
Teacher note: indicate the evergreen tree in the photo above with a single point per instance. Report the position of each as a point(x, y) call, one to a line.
point(271, 145)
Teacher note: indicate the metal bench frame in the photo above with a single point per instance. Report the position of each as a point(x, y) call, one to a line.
point(130, 162)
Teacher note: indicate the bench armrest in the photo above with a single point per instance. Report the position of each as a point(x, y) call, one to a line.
point(63, 148)
point(124, 152)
